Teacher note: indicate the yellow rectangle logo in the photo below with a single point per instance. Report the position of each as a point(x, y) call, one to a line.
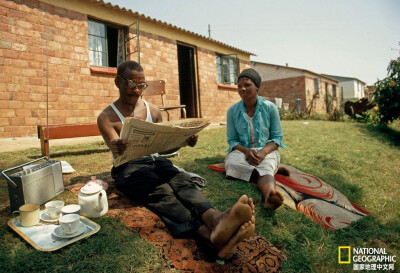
point(347, 261)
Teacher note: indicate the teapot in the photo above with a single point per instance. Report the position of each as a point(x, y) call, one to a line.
point(93, 199)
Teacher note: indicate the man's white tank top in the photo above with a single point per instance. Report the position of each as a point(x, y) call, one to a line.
point(122, 118)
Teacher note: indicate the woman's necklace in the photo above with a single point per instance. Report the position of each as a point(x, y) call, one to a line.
point(251, 108)
point(250, 111)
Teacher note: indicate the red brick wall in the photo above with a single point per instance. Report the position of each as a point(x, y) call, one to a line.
point(319, 104)
point(158, 57)
point(289, 89)
point(76, 95)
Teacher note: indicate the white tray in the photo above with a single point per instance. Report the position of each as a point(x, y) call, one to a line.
point(41, 236)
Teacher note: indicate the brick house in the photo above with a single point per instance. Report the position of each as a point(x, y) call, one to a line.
point(350, 88)
point(60, 58)
point(289, 84)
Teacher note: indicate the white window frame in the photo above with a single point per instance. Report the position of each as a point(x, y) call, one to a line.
point(227, 69)
point(100, 56)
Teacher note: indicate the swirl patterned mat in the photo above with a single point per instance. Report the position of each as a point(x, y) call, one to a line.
point(321, 202)
point(254, 254)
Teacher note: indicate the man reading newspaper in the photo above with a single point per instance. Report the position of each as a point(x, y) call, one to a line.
point(147, 138)
point(155, 182)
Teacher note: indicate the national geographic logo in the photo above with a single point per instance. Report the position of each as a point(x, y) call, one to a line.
point(344, 254)
point(363, 258)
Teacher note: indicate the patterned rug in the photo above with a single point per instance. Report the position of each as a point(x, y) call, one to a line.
point(254, 254)
point(308, 194)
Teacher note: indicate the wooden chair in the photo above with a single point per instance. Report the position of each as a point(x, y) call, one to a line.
point(158, 88)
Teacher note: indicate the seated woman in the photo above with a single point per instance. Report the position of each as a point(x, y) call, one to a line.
point(254, 134)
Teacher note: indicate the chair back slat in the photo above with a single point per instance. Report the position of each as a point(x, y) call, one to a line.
point(155, 88)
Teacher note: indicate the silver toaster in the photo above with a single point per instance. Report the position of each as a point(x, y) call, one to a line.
point(36, 184)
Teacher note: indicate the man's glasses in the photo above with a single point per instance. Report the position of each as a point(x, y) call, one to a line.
point(133, 85)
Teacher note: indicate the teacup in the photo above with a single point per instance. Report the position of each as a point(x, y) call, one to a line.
point(71, 209)
point(70, 223)
point(53, 208)
point(28, 214)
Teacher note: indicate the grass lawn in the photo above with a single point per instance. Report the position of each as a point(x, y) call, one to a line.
point(362, 161)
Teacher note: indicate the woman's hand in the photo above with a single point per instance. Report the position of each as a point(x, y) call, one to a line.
point(261, 154)
point(251, 157)
point(269, 148)
point(117, 146)
point(192, 140)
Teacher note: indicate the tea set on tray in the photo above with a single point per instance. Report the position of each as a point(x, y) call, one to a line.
point(68, 217)
point(92, 200)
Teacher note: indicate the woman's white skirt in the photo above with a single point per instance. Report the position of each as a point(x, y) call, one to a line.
point(237, 166)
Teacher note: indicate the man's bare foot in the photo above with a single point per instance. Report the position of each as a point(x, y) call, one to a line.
point(245, 231)
point(230, 221)
point(274, 200)
point(252, 206)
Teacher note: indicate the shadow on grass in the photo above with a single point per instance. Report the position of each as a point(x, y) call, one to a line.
point(5, 212)
point(383, 133)
point(75, 153)
point(210, 160)
point(200, 165)
point(105, 176)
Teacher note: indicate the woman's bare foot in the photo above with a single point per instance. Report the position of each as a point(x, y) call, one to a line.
point(245, 231)
point(230, 221)
point(274, 200)
point(283, 171)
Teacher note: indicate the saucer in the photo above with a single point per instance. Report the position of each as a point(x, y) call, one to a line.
point(59, 232)
point(46, 218)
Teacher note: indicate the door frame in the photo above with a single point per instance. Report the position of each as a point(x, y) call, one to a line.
point(196, 78)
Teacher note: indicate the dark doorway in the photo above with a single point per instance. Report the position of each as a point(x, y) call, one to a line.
point(187, 80)
point(112, 35)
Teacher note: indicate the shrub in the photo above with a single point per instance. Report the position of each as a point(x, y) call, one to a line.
point(387, 94)
point(337, 115)
point(288, 115)
point(369, 116)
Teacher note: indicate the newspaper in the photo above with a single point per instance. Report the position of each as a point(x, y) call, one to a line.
point(146, 138)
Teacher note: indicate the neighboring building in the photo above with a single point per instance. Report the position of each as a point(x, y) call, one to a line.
point(60, 58)
point(318, 93)
point(350, 88)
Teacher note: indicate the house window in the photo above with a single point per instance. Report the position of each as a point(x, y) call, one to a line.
point(326, 87)
point(227, 69)
point(334, 90)
point(316, 86)
point(106, 44)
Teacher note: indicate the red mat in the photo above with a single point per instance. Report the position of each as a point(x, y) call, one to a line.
point(254, 254)
point(321, 202)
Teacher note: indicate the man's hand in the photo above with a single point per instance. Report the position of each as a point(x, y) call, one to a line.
point(117, 146)
point(191, 141)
